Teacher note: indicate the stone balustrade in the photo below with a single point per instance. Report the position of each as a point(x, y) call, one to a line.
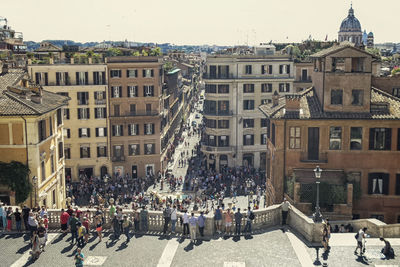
point(376, 228)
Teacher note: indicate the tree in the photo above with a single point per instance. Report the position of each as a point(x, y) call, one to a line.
point(168, 66)
point(135, 53)
point(144, 53)
point(155, 52)
point(114, 52)
point(15, 175)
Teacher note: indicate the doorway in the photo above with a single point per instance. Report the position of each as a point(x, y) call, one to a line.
point(103, 171)
point(248, 160)
point(134, 172)
point(313, 143)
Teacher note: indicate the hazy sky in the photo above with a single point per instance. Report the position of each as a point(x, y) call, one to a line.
point(221, 22)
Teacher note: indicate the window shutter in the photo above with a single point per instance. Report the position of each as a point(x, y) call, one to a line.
point(37, 77)
point(288, 69)
point(136, 74)
point(98, 151)
point(88, 132)
point(86, 78)
point(66, 78)
point(68, 133)
point(262, 69)
point(58, 78)
point(105, 131)
point(129, 129)
point(88, 113)
point(385, 190)
point(144, 73)
point(95, 95)
point(95, 113)
point(46, 78)
point(112, 92)
point(103, 78)
point(67, 113)
point(280, 69)
point(371, 138)
point(398, 139)
point(113, 130)
point(152, 128)
point(370, 177)
point(80, 132)
point(81, 151)
point(104, 112)
point(388, 139)
point(270, 69)
point(152, 73)
point(120, 91)
point(79, 113)
point(77, 78)
point(127, 73)
point(121, 127)
point(88, 152)
point(97, 132)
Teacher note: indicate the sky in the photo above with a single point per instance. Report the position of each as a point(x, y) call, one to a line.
point(219, 22)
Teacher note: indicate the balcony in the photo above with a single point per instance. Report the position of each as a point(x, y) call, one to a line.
point(118, 159)
point(218, 113)
point(100, 101)
point(141, 113)
point(306, 158)
point(218, 76)
point(222, 149)
point(304, 79)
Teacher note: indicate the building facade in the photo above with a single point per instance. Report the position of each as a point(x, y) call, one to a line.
point(235, 130)
point(31, 132)
point(85, 118)
point(136, 106)
point(348, 128)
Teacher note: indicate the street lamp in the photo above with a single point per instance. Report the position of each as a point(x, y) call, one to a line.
point(34, 179)
point(317, 215)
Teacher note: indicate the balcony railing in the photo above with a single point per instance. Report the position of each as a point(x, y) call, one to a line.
point(306, 157)
point(137, 113)
point(100, 101)
point(217, 148)
point(304, 79)
point(118, 159)
point(218, 76)
point(218, 113)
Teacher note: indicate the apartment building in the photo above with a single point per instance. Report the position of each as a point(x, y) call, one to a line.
point(135, 104)
point(31, 125)
point(86, 127)
point(348, 128)
point(235, 85)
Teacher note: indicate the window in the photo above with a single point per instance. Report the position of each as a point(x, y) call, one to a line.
point(263, 140)
point(248, 88)
point(67, 133)
point(148, 90)
point(85, 152)
point(248, 69)
point(148, 109)
point(273, 133)
point(335, 138)
point(52, 166)
point(266, 88)
point(43, 171)
point(82, 78)
point(265, 101)
point(100, 97)
point(115, 73)
point(223, 89)
point(100, 113)
point(397, 184)
point(248, 139)
point(149, 149)
point(83, 113)
point(210, 123)
point(355, 138)
point(357, 97)
point(133, 91)
point(101, 151)
point(211, 88)
point(62, 78)
point(336, 97)
point(84, 132)
point(211, 140)
point(116, 111)
point(248, 104)
point(294, 137)
point(101, 132)
point(59, 117)
point(223, 141)
point(223, 107)
point(248, 123)
point(284, 87)
point(60, 150)
point(210, 107)
point(380, 138)
point(118, 151)
point(117, 130)
point(42, 78)
point(134, 150)
point(99, 77)
point(83, 98)
point(148, 128)
point(63, 94)
point(42, 130)
point(133, 129)
point(148, 73)
point(116, 91)
point(66, 113)
point(131, 73)
point(51, 126)
point(396, 92)
point(132, 109)
point(223, 124)
point(284, 69)
point(378, 183)
point(67, 152)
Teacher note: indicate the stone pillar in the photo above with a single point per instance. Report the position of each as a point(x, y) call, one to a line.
point(90, 60)
point(349, 194)
point(72, 60)
point(296, 193)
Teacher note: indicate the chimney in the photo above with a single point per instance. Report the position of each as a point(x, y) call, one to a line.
point(275, 99)
point(292, 103)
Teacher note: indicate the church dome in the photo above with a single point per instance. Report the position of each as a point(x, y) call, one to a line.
point(351, 23)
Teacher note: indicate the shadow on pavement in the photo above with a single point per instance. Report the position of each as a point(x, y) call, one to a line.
point(59, 238)
point(199, 242)
point(189, 247)
point(123, 246)
point(23, 249)
point(66, 249)
point(94, 245)
point(236, 238)
point(248, 237)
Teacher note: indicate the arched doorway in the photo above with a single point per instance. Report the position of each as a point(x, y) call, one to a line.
point(103, 171)
point(248, 160)
point(223, 162)
point(211, 162)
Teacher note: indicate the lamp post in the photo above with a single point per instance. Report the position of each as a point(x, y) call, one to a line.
point(34, 179)
point(317, 215)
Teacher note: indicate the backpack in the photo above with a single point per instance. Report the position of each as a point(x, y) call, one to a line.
point(251, 216)
point(356, 236)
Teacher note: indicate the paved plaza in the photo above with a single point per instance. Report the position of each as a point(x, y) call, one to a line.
point(273, 247)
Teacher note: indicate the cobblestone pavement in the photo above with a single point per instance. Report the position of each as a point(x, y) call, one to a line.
point(269, 248)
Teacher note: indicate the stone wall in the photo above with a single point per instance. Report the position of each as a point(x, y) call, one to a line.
point(376, 228)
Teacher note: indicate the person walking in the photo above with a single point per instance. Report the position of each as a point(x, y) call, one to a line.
point(174, 218)
point(32, 223)
point(218, 219)
point(167, 218)
point(9, 218)
point(185, 223)
point(136, 220)
point(73, 227)
point(86, 224)
point(228, 222)
point(127, 224)
point(64, 218)
point(116, 226)
point(249, 219)
point(25, 216)
point(18, 219)
point(360, 236)
point(238, 222)
point(79, 258)
point(201, 221)
point(99, 226)
point(81, 234)
point(193, 227)
point(285, 210)
point(143, 219)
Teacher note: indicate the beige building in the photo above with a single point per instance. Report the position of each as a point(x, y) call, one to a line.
point(31, 126)
point(86, 128)
point(235, 85)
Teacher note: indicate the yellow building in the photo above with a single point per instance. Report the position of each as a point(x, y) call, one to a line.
point(85, 129)
point(31, 132)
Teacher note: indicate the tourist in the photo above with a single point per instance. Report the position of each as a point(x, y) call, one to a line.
point(9, 218)
point(81, 234)
point(360, 236)
point(387, 250)
point(116, 226)
point(167, 218)
point(18, 219)
point(86, 224)
point(3, 218)
point(228, 222)
point(41, 232)
point(143, 219)
point(285, 210)
point(64, 218)
point(25, 216)
point(238, 222)
point(79, 258)
point(32, 223)
point(201, 220)
point(249, 218)
point(136, 220)
point(325, 237)
point(99, 228)
point(218, 219)
point(193, 227)
point(73, 227)
point(174, 218)
point(126, 224)
point(185, 220)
